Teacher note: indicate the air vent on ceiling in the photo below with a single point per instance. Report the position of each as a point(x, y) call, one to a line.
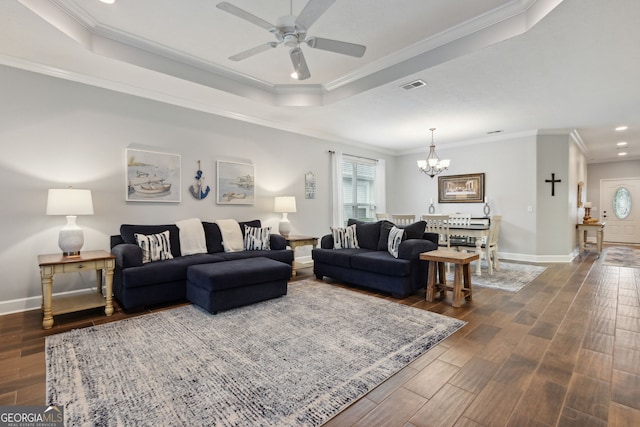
point(413, 85)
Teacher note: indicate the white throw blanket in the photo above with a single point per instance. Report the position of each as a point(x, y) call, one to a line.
point(192, 239)
point(231, 235)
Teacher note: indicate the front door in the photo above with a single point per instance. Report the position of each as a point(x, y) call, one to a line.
point(620, 208)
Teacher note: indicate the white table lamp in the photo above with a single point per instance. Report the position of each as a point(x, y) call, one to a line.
point(285, 204)
point(70, 202)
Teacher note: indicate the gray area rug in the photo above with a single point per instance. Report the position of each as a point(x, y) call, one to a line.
point(512, 277)
point(622, 256)
point(292, 361)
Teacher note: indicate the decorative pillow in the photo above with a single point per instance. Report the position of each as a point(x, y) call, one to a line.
point(256, 239)
point(395, 238)
point(368, 233)
point(385, 227)
point(344, 238)
point(415, 230)
point(155, 247)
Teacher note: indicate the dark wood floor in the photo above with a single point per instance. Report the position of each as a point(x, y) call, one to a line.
point(563, 351)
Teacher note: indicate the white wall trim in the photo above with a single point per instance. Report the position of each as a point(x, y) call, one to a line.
point(506, 256)
point(33, 303)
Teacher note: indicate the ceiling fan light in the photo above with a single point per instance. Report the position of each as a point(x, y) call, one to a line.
point(290, 40)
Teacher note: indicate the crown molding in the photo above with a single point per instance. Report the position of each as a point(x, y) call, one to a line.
point(512, 19)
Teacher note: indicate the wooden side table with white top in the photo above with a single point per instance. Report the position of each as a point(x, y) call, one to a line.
point(51, 264)
point(297, 241)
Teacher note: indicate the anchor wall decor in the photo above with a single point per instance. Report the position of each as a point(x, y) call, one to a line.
point(196, 189)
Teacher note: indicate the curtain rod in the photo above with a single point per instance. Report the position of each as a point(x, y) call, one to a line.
point(354, 156)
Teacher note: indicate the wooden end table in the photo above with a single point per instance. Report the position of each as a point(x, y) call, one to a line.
point(297, 241)
point(462, 274)
point(51, 264)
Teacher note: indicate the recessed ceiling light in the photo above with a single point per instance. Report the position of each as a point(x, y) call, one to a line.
point(622, 143)
point(623, 153)
point(619, 128)
point(108, 1)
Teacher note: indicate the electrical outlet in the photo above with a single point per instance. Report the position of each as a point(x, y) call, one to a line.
point(529, 208)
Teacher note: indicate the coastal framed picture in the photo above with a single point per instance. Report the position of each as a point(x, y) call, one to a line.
point(235, 183)
point(467, 188)
point(152, 176)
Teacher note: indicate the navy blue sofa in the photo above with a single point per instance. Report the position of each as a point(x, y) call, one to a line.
point(371, 265)
point(136, 285)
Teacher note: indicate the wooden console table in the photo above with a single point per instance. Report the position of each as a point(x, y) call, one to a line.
point(462, 274)
point(51, 264)
point(598, 227)
point(297, 241)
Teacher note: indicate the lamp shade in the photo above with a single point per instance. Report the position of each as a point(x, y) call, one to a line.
point(69, 201)
point(285, 204)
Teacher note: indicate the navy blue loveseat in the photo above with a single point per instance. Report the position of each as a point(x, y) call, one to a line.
point(136, 284)
point(371, 265)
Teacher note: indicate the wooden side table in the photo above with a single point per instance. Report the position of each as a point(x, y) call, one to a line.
point(462, 274)
point(51, 264)
point(297, 241)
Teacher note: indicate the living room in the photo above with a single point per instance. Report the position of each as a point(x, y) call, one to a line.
point(57, 132)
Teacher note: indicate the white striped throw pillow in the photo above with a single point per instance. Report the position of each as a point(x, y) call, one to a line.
point(256, 239)
point(344, 238)
point(395, 238)
point(155, 247)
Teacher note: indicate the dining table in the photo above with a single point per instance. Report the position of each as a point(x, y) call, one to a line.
point(472, 231)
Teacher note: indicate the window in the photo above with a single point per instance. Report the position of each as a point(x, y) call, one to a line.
point(622, 203)
point(359, 188)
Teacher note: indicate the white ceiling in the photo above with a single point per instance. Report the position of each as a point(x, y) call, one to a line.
point(510, 65)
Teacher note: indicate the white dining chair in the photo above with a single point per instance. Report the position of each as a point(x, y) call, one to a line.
point(489, 249)
point(439, 224)
point(403, 219)
point(380, 216)
point(461, 220)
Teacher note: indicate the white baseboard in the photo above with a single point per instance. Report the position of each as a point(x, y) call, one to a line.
point(33, 303)
point(304, 262)
point(536, 258)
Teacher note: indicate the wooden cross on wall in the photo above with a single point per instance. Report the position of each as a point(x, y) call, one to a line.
point(553, 181)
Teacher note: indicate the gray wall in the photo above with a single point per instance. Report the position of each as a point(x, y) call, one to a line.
point(509, 164)
point(57, 133)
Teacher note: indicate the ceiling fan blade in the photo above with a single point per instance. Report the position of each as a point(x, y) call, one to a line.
point(299, 64)
point(312, 11)
point(253, 51)
point(240, 13)
point(336, 46)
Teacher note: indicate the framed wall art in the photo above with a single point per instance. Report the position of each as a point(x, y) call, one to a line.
point(235, 183)
point(309, 185)
point(152, 176)
point(467, 188)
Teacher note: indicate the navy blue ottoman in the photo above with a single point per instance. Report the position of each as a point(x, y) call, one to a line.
point(223, 285)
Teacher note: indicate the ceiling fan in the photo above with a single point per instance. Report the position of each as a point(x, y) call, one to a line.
point(291, 31)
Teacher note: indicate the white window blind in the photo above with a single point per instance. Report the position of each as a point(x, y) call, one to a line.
point(359, 188)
